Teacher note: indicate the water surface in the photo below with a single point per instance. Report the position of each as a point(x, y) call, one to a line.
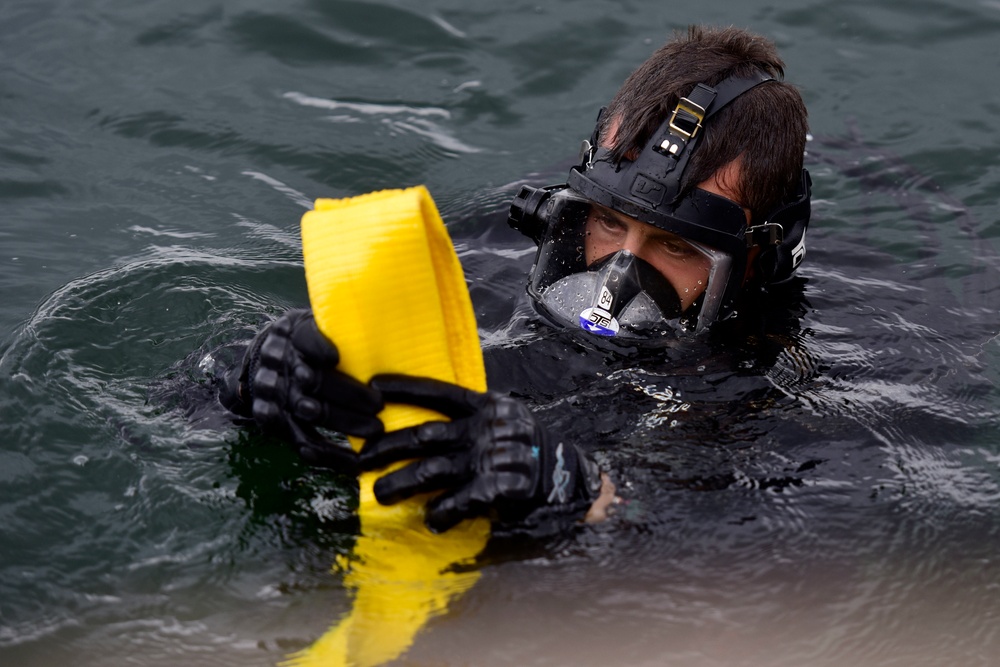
point(833, 501)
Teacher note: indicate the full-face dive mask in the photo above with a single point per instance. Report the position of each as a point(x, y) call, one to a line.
point(698, 244)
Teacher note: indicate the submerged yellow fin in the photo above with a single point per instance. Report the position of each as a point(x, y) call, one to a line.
point(386, 285)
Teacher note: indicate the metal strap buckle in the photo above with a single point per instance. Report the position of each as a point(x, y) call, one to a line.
point(686, 118)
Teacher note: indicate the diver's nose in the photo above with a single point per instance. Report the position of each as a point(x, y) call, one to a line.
point(635, 242)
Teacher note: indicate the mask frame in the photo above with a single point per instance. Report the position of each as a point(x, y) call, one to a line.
point(562, 255)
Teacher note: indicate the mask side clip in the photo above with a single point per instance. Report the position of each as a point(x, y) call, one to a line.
point(587, 150)
point(768, 234)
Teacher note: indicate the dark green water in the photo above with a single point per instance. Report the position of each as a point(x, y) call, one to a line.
point(839, 506)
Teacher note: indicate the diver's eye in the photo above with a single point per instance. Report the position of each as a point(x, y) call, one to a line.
point(676, 247)
point(609, 223)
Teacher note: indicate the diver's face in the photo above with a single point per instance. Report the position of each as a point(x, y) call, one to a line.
point(685, 267)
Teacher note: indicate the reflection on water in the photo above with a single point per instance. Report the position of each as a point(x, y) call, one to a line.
point(824, 495)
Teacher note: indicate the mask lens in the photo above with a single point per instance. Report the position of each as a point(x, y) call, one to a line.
point(585, 277)
point(684, 265)
point(619, 295)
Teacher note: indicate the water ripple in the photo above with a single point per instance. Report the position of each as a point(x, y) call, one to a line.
point(365, 108)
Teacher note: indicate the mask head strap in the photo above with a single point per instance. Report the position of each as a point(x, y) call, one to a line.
point(653, 180)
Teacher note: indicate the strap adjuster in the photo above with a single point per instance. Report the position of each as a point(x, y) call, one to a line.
point(688, 114)
point(686, 118)
point(768, 234)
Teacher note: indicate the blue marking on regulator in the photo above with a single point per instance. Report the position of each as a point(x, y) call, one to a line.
point(586, 325)
point(599, 321)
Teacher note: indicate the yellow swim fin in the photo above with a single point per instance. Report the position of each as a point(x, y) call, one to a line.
point(385, 284)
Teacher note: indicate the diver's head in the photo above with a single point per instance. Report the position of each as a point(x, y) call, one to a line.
point(698, 191)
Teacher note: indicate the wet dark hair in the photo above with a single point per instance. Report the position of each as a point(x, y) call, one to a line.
point(764, 128)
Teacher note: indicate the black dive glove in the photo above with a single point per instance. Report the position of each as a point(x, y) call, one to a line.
point(290, 386)
point(493, 459)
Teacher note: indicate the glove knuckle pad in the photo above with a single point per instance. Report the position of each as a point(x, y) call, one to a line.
point(272, 350)
point(431, 432)
point(283, 325)
point(267, 382)
point(509, 409)
point(265, 411)
point(303, 374)
point(308, 410)
point(431, 469)
point(515, 486)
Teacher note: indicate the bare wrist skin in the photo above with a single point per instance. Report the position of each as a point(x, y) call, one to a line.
point(599, 509)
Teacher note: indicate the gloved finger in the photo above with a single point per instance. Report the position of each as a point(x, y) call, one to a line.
point(268, 414)
point(427, 439)
point(354, 410)
point(448, 509)
point(318, 450)
point(475, 499)
point(343, 419)
point(273, 351)
point(283, 325)
point(339, 388)
point(276, 337)
point(314, 347)
point(449, 399)
point(352, 422)
point(269, 384)
point(433, 474)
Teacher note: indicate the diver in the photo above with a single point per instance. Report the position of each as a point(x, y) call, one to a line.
point(688, 201)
